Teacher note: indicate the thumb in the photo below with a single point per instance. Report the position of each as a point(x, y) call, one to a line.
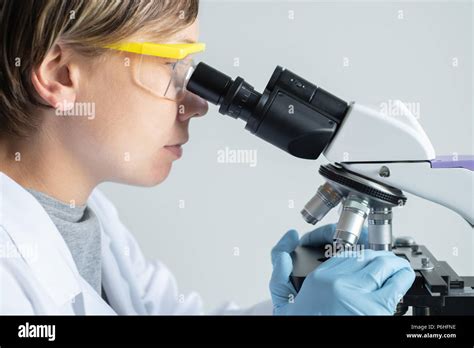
point(286, 244)
point(319, 237)
point(396, 287)
point(280, 285)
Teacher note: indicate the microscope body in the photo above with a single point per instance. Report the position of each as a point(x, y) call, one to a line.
point(368, 178)
point(373, 158)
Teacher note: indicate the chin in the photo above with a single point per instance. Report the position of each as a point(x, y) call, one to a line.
point(148, 171)
point(148, 177)
point(157, 175)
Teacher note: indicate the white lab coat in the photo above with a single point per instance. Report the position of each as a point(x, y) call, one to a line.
point(39, 276)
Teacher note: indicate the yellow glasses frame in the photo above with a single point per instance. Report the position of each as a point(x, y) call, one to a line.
point(177, 51)
point(172, 50)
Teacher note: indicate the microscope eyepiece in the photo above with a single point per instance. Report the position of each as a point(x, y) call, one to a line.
point(209, 83)
point(292, 113)
point(235, 98)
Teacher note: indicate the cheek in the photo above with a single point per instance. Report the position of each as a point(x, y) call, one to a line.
point(128, 116)
point(129, 130)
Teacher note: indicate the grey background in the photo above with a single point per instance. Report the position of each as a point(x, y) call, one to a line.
point(229, 206)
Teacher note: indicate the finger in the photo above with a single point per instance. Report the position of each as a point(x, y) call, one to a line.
point(319, 237)
point(280, 285)
point(380, 268)
point(396, 287)
point(348, 262)
point(286, 244)
point(282, 268)
point(281, 289)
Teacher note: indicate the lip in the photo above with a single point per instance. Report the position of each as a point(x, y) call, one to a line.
point(176, 150)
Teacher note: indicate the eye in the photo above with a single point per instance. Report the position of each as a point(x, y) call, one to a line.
point(170, 66)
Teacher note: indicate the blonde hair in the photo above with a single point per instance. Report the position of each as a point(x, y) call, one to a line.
point(30, 28)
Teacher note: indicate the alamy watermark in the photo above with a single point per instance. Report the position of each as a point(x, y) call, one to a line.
point(339, 250)
point(28, 330)
point(395, 108)
point(239, 156)
point(84, 109)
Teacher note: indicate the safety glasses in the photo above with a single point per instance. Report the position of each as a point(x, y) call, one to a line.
point(162, 69)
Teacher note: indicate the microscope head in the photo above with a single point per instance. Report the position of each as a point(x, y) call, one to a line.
point(395, 151)
point(374, 156)
point(292, 113)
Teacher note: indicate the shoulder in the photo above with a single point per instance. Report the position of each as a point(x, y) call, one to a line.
point(14, 297)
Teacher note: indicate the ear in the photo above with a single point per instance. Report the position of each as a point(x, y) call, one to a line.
point(56, 79)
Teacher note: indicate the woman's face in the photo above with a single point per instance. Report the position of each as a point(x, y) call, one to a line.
point(132, 135)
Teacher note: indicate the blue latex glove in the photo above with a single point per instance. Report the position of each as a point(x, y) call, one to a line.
point(365, 282)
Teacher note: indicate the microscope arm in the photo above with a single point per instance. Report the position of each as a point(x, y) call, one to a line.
point(369, 140)
point(450, 187)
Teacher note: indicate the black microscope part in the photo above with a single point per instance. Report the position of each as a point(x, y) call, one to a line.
point(292, 113)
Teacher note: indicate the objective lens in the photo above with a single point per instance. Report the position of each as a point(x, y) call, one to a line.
point(326, 198)
point(380, 228)
point(351, 221)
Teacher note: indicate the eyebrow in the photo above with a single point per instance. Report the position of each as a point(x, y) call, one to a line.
point(178, 41)
point(188, 41)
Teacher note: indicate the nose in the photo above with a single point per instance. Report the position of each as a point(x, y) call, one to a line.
point(192, 106)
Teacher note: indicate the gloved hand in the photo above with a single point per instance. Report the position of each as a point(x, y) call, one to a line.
point(365, 282)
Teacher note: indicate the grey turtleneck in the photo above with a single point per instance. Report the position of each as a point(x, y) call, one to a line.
point(80, 230)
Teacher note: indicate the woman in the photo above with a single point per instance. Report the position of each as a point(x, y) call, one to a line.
point(92, 91)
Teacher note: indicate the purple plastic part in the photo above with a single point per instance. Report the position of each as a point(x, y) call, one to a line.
point(460, 161)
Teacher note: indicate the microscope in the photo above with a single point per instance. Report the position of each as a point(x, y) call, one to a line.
point(373, 158)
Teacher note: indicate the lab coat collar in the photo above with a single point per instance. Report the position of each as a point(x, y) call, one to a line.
point(38, 241)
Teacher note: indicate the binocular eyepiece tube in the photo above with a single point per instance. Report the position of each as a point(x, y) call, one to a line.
point(291, 113)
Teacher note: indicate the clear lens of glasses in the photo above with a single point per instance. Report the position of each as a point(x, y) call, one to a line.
point(165, 78)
